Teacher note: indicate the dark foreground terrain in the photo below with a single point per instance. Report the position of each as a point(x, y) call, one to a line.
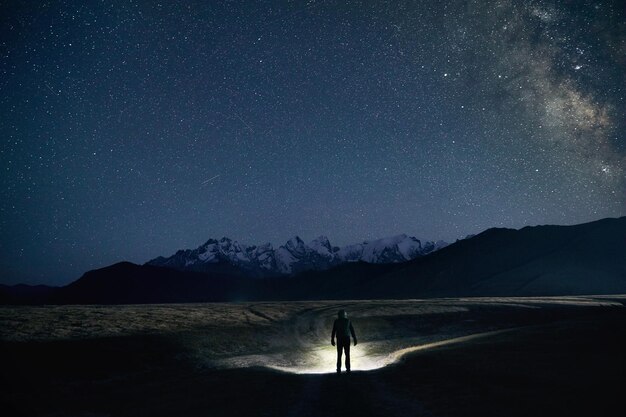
point(552, 356)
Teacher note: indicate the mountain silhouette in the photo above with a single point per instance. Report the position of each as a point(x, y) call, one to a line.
point(233, 258)
point(588, 258)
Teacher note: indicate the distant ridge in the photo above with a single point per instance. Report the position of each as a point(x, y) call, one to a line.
point(588, 258)
point(231, 257)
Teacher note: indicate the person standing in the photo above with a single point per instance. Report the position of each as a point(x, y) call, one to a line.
point(342, 328)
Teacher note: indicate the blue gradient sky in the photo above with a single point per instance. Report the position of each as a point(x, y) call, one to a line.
point(131, 129)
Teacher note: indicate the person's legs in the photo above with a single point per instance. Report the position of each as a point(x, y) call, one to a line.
point(339, 351)
point(346, 347)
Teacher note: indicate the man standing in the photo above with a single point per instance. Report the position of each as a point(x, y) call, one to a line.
point(342, 328)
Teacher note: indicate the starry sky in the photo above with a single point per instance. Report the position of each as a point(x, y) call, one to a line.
point(131, 129)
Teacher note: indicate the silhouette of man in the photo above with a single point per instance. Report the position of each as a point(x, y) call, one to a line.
point(342, 328)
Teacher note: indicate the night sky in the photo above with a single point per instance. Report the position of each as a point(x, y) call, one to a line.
point(131, 129)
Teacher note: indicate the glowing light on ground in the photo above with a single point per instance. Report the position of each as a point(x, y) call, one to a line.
point(322, 360)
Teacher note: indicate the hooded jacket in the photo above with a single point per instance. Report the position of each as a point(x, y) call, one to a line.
point(342, 328)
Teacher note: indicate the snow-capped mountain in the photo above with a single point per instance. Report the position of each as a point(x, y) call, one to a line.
point(226, 255)
point(393, 249)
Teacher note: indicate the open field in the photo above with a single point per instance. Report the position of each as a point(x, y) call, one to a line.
point(481, 356)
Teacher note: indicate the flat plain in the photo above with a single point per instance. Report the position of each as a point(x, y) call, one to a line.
point(465, 357)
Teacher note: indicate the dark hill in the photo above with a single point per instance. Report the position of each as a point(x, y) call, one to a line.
point(543, 260)
point(127, 283)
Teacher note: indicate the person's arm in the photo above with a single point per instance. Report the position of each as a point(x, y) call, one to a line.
point(353, 335)
point(332, 335)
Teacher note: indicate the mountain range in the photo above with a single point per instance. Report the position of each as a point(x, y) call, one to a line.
point(548, 260)
point(231, 257)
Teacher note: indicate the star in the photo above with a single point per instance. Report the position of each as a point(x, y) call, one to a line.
point(150, 129)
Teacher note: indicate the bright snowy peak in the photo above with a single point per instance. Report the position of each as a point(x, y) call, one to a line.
point(229, 256)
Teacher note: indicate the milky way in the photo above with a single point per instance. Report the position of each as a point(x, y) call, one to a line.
point(132, 129)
